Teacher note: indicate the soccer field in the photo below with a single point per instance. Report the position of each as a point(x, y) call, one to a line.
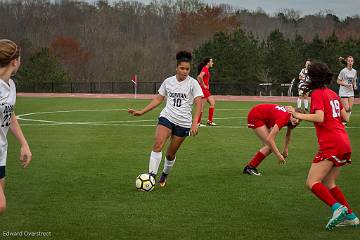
point(88, 152)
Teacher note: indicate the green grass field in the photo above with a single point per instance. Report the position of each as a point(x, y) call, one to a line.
point(80, 184)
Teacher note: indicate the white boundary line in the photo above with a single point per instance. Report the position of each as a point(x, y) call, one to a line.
point(121, 122)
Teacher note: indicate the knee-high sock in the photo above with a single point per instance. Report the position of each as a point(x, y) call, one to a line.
point(306, 103)
point(257, 159)
point(299, 102)
point(211, 114)
point(323, 193)
point(339, 196)
point(168, 165)
point(155, 159)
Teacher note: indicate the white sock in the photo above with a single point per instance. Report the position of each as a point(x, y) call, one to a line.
point(306, 103)
point(155, 159)
point(349, 114)
point(168, 165)
point(299, 102)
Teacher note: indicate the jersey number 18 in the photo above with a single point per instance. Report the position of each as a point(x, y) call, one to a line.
point(335, 105)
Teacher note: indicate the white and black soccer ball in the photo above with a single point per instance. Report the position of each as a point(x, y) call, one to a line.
point(145, 182)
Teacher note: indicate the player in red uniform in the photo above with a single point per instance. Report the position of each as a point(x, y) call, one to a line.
point(204, 79)
point(267, 120)
point(327, 114)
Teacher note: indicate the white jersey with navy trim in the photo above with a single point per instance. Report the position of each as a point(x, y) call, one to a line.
point(180, 98)
point(7, 103)
point(349, 76)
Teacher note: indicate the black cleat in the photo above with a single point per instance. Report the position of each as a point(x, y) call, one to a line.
point(251, 171)
point(162, 180)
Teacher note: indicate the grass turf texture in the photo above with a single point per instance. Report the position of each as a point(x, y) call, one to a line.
point(80, 184)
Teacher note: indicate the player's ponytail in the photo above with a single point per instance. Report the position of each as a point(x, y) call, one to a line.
point(204, 62)
point(183, 56)
point(8, 52)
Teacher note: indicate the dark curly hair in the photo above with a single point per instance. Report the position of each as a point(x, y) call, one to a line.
point(183, 56)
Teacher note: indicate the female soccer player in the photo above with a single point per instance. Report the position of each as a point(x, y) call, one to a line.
point(267, 120)
point(347, 80)
point(303, 75)
point(175, 120)
point(327, 113)
point(204, 79)
point(9, 64)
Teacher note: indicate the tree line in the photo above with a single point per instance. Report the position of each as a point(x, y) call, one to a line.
point(78, 41)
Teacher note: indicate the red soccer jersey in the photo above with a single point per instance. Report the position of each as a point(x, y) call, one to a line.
point(331, 133)
point(206, 77)
point(270, 114)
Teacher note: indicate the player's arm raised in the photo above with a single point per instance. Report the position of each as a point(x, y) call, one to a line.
point(25, 153)
point(198, 107)
point(271, 143)
point(153, 104)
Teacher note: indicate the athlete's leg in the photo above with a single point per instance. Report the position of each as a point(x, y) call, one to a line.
point(262, 133)
point(173, 147)
point(161, 135)
point(211, 101)
point(306, 102)
point(317, 174)
point(2, 196)
point(330, 183)
point(202, 109)
point(351, 103)
point(345, 103)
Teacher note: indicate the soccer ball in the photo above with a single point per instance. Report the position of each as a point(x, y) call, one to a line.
point(145, 182)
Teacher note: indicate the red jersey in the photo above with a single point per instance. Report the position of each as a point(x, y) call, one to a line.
point(269, 115)
point(206, 77)
point(331, 133)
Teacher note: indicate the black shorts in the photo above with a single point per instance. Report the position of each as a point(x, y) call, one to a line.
point(175, 129)
point(2, 172)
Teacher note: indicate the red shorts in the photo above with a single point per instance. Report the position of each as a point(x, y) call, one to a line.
point(338, 159)
point(254, 121)
point(206, 93)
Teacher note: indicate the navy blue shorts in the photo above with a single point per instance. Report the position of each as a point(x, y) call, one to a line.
point(2, 172)
point(175, 129)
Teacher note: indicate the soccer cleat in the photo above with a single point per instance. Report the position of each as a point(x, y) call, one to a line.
point(201, 125)
point(162, 180)
point(337, 217)
point(211, 124)
point(353, 222)
point(251, 171)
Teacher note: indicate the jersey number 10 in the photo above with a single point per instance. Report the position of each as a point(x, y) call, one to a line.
point(177, 102)
point(335, 105)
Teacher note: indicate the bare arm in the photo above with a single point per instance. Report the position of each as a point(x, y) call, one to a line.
point(287, 142)
point(153, 104)
point(270, 141)
point(318, 116)
point(342, 82)
point(25, 153)
point(200, 78)
point(198, 107)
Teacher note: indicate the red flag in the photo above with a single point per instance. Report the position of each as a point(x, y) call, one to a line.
point(134, 78)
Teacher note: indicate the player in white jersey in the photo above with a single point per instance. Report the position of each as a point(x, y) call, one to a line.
point(347, 80)
point(175, 121)
point(9, 64)
point(303, 76)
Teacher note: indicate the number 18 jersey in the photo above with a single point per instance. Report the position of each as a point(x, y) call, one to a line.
point(180, 98)
point(7, 102)
point(331, 133)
